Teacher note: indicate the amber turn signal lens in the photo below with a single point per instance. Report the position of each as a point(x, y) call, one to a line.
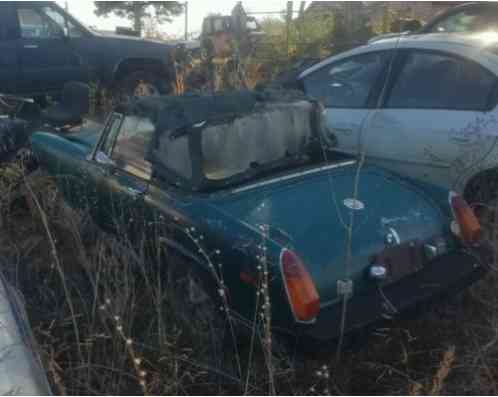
point(301, 291)
point(470, 229)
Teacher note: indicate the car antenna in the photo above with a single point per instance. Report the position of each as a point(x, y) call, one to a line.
point(346, 288)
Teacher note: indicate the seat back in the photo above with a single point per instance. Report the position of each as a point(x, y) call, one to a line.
point(76, 98)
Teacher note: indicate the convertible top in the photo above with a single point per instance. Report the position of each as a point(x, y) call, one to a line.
point(205, 142)
point(169, 113)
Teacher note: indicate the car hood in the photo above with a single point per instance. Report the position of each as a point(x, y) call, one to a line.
point(311, 212)
point(136, 43)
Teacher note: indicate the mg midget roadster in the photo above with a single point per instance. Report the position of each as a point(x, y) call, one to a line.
point(246, 189)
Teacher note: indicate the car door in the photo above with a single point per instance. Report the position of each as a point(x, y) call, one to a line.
point(436, 118)
point(8, 48)
point(123, 175)
point(348, 88)
point(46, 56)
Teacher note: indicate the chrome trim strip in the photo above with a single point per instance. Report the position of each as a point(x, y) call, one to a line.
point(297, 174)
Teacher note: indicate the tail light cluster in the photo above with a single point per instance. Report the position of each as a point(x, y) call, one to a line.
point(467, 225)
point(301, 291)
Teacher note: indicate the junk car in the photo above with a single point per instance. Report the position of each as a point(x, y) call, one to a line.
point(424, 106)
point(21, 372)
point(247, 191)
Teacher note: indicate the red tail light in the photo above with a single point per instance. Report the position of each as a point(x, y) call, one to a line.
point(470, 229)
point(301, 291)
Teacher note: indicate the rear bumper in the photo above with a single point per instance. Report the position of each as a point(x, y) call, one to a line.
point(447, 274)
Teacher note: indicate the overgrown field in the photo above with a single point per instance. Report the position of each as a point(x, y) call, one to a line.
point(106, 322)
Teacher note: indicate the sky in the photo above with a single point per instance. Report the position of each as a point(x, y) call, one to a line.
point(83, 10)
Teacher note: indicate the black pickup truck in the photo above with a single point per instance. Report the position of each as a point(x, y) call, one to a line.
point(42, 47)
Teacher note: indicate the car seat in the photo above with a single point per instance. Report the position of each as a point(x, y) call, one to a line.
point(74, 104)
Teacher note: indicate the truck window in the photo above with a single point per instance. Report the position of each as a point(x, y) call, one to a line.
point(61, 20)
point(44, 23)
point(8, 30)
point(34, 25)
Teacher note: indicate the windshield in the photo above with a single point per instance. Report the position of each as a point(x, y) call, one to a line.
point(256, 141)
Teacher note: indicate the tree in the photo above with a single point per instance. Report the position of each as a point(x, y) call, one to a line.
point(136, 11)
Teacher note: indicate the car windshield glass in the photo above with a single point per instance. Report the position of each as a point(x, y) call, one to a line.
point(257, 141)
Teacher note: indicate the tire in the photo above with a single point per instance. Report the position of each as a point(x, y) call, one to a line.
point(138, 84)
point(198, 312)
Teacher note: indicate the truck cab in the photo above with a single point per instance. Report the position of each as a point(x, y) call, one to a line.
point(43, 47)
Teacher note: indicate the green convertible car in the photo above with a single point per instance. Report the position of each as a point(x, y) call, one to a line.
point(246, 189)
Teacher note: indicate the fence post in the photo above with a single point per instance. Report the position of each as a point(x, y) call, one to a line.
point(290, 9)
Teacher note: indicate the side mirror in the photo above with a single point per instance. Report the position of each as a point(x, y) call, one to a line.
point(102, 158)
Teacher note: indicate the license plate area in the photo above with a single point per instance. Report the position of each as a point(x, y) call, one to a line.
point(402, 260)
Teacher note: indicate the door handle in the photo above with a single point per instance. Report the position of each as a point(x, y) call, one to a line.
point(342, 131)
point(459, 139)
point(30, 46)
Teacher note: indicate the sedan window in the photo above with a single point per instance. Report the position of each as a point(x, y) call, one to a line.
point(132, 143)
point(430, 80)
point(347, 83)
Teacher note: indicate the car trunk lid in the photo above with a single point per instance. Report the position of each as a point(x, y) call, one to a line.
point(311, 211)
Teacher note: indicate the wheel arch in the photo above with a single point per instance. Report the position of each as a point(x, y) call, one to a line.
point(182, 256)
point(130, 65)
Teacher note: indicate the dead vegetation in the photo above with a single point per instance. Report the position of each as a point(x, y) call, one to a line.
point(106, 323)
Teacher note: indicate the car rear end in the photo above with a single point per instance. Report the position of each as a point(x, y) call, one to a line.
point(407, 246)
point(402, 276)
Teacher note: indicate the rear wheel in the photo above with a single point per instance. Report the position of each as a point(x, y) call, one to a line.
point(203, 321)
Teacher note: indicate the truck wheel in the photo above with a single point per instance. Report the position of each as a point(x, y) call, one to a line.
point(137, 85)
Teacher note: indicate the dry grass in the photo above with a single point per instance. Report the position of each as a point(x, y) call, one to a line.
point(106, 324)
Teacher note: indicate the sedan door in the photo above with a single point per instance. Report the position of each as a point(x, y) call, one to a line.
point(437, 121)
point(349, 89)
point(46, 56)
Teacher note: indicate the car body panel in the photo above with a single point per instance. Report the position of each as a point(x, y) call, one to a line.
point(36, 66)
point(21, 372)
point(439, 146)
point(318, 230)
point(306, 208)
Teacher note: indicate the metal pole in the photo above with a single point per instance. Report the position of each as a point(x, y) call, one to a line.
point(290, 8)
point(186, 20)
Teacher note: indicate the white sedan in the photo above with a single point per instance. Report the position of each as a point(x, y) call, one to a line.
point(422, 105)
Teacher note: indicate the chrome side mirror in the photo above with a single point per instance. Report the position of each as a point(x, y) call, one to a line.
point(102, 158)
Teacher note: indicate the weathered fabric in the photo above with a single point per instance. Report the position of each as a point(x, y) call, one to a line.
point(206, 141)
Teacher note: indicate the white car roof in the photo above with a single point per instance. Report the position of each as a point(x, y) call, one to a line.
point(475, 46)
